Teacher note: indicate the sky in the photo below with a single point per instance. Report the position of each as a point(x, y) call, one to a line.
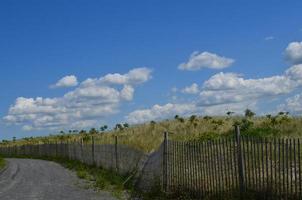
point(71, 64)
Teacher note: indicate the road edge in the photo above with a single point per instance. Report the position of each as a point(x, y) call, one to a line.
point(4, 168)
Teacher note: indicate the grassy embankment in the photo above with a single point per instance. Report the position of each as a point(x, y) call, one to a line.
point(147, 137)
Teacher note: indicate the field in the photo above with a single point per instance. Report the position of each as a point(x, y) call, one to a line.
point(148, 136)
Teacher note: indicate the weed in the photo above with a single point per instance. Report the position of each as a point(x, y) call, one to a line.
point(2, 163)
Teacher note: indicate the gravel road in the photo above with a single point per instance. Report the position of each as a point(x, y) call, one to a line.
point(27, 179)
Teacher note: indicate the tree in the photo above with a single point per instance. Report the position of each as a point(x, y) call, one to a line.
point(14, 139)
point(126, 125)
point(93, 131)
point(104, 128)
point(119, 127)
point(207, 117)
point(229, 113)
point(152, 122)
point(182, 120)
point(192, 118)
point(248, 113)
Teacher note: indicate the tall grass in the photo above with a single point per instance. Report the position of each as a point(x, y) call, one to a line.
point(148, 136)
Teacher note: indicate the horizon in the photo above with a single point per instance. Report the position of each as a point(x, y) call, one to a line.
point(77, 65)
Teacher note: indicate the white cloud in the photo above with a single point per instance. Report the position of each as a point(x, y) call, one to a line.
point(192, 89)
point(133, 77)
point(269, 38)
point(228, 87)
point(222, 109)
point(293, 52)
point(158, 112)
point(226, 92)
point(205, 59)
point(295, 73)
point(169, 110)
point(127, 92)
point(230, 91)
point(292, 105)
point(85, 106)
point(67, 81)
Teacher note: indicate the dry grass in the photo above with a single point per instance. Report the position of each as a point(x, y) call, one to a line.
point(148, 136)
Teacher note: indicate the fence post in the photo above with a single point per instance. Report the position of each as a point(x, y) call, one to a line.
point(82, 153)
point(240, 160)
point(56, 148)
point(92, 150)
point(165, 163)
point(116, 154)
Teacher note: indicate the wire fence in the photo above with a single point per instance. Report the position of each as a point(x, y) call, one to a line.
point(219, 169)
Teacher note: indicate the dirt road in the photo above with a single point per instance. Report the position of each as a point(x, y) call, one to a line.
point(27, 179)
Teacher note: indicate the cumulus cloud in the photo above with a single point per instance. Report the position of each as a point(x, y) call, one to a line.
point(67, 81)
point(169, 110)
point(231, 91)
point(292, 105)
point(192, 89)
point(133, 77)
point(205, 59)
point(226, 92)
point(158, 112)
point(222, 109)
point(228, 87)
point(93, 100)
point(293, 52)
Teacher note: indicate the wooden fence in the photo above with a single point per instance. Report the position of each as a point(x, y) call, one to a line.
point(231, 167)
point(224, 168)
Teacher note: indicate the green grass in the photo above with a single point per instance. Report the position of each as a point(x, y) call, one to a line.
point(2, 163)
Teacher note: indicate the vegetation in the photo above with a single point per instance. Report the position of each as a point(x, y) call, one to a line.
point(2, 163)
point(101, 179)
point(148, 136)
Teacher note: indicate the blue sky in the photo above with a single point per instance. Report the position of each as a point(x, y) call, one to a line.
point(236, 45)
